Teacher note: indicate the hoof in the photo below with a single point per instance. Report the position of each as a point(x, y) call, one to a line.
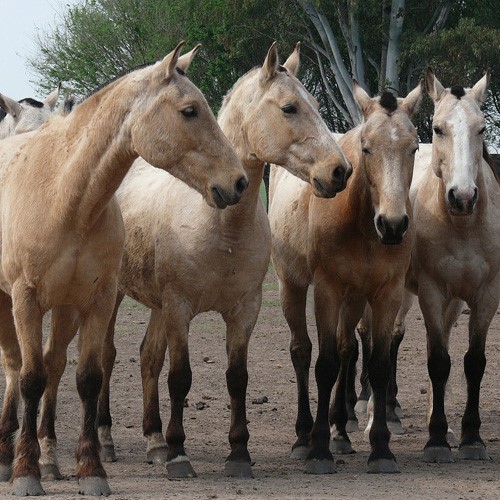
point(361, 406)
point(324, 466)
point(50, 472)
point(352, 426)
point(27, 486)
point(395, 427)
point(383, 466)
point(341, 446)
point(108, 453)
point(180, 467)
point(474, 451)
point(452, 439)
point(438, 454)
point(157, 455)
point(5, 473)
point(94, 486)
point(238, 469)
point(300, 452)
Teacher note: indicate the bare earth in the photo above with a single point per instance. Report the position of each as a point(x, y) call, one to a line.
point(271, 424)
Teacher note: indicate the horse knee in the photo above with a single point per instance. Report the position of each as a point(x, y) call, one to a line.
point(89, 383)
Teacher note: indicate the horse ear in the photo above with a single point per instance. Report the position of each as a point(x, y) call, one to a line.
point(185, 60)
point(167, 66)
point(10, 106)
point(271, 64)
point(362, 99)
point(51, 100)
point(293, 61)
point(480, 89)
point(412, 101)
point(433, 85)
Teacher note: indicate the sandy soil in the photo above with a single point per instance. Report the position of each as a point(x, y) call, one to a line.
point(271, 424)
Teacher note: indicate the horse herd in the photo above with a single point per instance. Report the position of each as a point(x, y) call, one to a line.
point(368, 218)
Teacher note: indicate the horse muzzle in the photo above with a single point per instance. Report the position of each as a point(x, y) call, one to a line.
point(223, 197)
point(330, 187)
point(391, 231)
point(462, 204)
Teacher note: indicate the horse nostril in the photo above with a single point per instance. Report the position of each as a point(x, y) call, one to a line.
point(339, 173)
point(405, 223)
point(474, 198)
point(241, 185)
point(380, 224)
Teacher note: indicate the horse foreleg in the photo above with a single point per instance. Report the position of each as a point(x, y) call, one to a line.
point(350, 313)
point(94, 323)
point(11, 361)
point(384, 311)
point(481, 313)
point(104, 420)
point(64, 325)
point(320, 459)
point(364, 330)
point(153, 348)
point(293, 303)
point(32, 380)
point(179, 382)
point(240, 324)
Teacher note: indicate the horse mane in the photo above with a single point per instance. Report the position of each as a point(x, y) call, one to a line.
point(388, 101)
point(493, 163)
point(27, 100)
point(238, 82)
point(458, 91)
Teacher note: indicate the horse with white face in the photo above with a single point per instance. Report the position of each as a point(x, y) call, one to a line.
point(183, 258)
point(354, 249)
point(17, 117)
point(62, 232)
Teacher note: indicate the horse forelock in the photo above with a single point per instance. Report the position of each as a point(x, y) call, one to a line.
point(388, 101)
point(458, 91)
point(31, 102)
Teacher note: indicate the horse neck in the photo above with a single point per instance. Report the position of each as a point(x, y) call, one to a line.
point(99, 159)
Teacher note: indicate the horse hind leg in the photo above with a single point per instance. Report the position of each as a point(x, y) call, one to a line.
point(104, 420)
point(293, 303)
point(364, 331)
point(153, 349)
point(64, 325)
point(11, 361)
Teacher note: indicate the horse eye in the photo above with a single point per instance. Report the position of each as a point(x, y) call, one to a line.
point(190, 112)
point(366, 151)
point(437, 130)
point(481, 132)
point(289, 109)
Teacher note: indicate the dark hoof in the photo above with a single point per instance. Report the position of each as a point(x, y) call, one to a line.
point(27, 486)
point(94, 486)
point(300, 452)
point(341, 446)
point(157, 455)
point(50, 472)
point(238, 469)
point(324, 466)
point(361, 406)
point(395, 427)
point(474, 451)
point(352, 426)
point(5, 473)
point(383, 466)
point(438, 454)
point(108, 453)
point(179, 468)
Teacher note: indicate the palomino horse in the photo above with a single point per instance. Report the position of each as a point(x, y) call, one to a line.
point(354, 249)
point(183, 258)
point(62, 231)
point(26, 115)
point(456, 256)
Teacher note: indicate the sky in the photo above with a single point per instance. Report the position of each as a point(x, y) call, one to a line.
point(20, 21)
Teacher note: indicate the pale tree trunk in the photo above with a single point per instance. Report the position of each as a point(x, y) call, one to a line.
point(392, 61)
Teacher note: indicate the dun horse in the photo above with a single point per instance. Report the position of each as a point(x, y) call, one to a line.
point(26, 115)
point(354, 249)
point(183, 258)
point(62, 232)
point(456, 257)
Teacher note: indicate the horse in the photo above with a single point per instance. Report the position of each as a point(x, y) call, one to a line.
point(25, 115)
point(220, 258)
point(456, 257)
point(62, 232)
point(354, 249)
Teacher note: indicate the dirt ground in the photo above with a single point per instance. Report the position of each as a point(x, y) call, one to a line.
point(271, 425)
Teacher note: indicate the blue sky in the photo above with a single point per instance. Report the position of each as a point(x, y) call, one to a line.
point(20, 21)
